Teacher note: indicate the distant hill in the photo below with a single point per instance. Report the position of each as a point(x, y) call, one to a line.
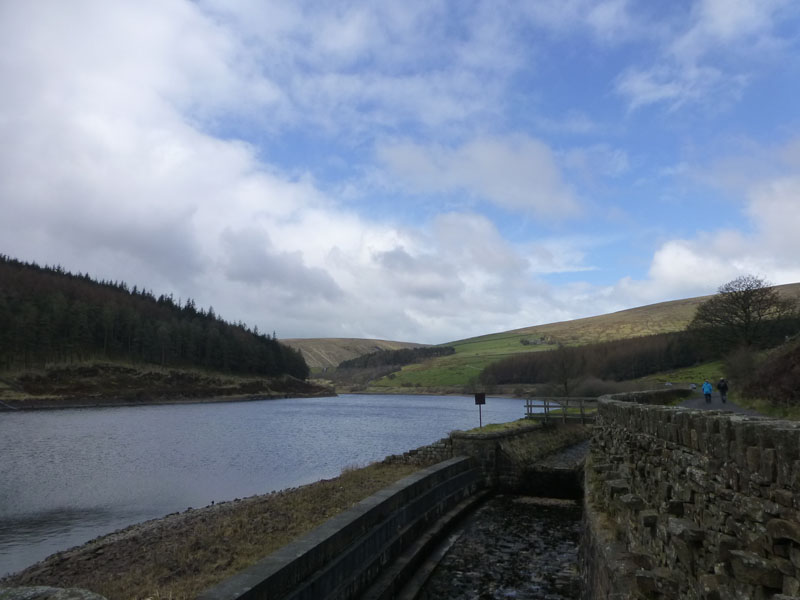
point(473, 354)
point(329, 352)
point(662, 317)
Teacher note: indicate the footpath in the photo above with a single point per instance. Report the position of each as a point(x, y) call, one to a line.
point(716, 403)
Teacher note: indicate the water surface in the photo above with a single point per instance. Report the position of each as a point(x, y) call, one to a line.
point(67, 476)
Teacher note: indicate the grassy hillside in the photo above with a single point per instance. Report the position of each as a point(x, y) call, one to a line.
point(473, 354)
point(329, 352)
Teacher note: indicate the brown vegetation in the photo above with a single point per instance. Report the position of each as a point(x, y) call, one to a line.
point(104, 383)
point(777, 379)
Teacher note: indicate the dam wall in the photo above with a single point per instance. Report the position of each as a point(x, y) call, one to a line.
point(505, 457)
point(690, 504)
point(372, 550)
point(345, 556)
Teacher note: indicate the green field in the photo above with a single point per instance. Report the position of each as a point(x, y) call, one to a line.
point(473, 354)
point(459, 371)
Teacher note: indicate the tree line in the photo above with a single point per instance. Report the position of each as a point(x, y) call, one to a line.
point(50, 315)
point(403, 356)
point(745, 316)
point(617, 360)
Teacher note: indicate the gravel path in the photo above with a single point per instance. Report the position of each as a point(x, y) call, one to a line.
point(716, 403)
point(513, 547)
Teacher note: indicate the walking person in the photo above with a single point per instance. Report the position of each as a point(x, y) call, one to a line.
point(722, 386)
point(707, 389)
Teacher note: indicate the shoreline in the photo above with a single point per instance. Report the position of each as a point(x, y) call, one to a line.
point(111, 402)
point(189, 551)
point(65, 404)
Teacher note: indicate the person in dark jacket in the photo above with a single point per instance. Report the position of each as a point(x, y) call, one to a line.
point(707, 389)
point(722, 386)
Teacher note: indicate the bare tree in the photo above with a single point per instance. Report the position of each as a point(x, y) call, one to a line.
point(745, 313)
point(566, 368)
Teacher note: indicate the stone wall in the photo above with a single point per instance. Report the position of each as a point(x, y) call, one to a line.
point(364, 552)
point(347, 556)
point(505, 457)
point(424, 455)
point(691, 504)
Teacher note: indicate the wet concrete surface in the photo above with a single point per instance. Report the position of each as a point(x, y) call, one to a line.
point(512, 547)
point(571, 457)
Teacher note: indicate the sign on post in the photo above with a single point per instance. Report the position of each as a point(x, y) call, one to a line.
point(480, 400)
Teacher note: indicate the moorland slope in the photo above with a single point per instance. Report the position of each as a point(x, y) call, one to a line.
point(472, 355)
point(329, 352)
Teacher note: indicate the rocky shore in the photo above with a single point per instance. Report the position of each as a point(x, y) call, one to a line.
point(184, 553)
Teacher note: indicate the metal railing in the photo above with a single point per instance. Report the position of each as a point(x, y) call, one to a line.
point(563, 409)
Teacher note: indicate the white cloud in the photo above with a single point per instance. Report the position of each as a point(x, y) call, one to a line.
point(597, 160)
point(517, 173)
point(696, 266)
point(355, 67)
point(711, 57)
point(610, 21)
point(678, 85)
point(118, 122)
point(736, 25)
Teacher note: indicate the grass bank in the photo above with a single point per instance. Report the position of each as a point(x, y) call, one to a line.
point(182, 554)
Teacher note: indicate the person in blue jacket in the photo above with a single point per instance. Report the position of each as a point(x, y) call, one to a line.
point(707, 389)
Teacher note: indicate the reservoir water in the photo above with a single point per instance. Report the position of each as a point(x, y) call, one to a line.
point(67, 476)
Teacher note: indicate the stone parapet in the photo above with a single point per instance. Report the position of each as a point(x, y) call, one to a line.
point(702, 504)
point(346, 555)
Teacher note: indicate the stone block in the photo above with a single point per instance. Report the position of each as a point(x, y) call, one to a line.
point(685, 530)
point(618, 487)
point(752, 458)
point(784, 566)
point(674, 507)
point(709, 587)
point(783, 550)
point(782, 497)
point(649, 518)
point(632, 502)
point(725, 544)
point(794, 480)
point(794, 556)
point(767, 468)
point(780, 529)
point(787, 447)
point(664, 489)
point(791, 586)
point(749, 568)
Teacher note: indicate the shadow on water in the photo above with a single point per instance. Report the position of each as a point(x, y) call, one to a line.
point(28, 538)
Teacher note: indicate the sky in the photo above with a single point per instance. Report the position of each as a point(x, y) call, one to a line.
point(424, 170)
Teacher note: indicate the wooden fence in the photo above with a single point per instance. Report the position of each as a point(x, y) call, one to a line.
point(563, 409)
